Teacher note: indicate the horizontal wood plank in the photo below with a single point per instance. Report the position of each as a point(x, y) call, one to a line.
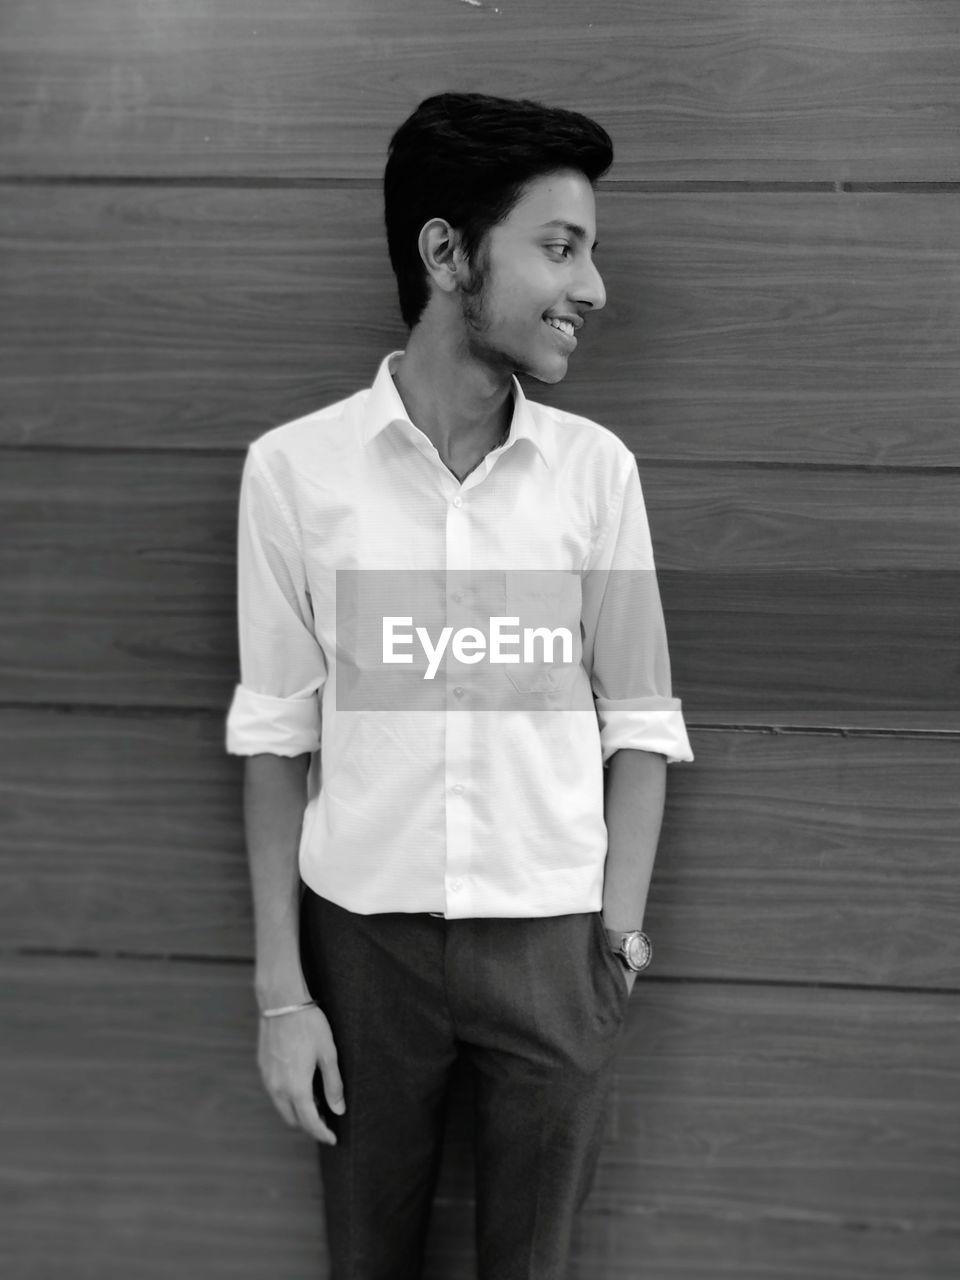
point(138, 1139)
point(791, 1133)
point(800, 89)
point(779, 647)
point(805, 328)
point(787, 601)
point(176, 511)
point(795, 857)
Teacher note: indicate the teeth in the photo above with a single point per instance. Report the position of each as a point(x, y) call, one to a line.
point(563, 325)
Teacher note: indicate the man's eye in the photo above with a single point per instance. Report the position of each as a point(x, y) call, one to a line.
point(560, 248)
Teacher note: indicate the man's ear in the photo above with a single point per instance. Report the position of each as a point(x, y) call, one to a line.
point(442, 254)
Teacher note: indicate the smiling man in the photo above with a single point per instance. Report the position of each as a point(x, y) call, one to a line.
point(464, 879)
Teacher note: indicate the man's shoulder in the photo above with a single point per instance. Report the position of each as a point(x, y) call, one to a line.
point(579, 440)
point(321, 435)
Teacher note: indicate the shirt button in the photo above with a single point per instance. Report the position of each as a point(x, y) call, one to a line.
point(458, 501)
point(458, 789)
point(456, 886)
point(459, 691)
point(457, 597)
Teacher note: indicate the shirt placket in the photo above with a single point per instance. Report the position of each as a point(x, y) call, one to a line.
point(458, 717)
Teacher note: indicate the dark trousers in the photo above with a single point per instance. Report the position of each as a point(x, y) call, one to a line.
point(537, 1005)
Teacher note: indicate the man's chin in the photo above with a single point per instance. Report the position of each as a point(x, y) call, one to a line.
point(548, 373)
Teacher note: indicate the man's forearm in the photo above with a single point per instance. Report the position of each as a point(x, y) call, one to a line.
point(635, 789)
point(274, 799)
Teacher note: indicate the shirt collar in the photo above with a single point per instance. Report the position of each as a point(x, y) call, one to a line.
point(384, 406)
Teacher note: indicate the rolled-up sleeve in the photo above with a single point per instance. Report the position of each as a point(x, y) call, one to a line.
point(276, 705)
point(624, 634)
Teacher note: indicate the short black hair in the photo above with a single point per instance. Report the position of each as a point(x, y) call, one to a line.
point(466, 157)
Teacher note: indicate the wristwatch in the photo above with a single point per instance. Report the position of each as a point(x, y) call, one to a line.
point(634, 949)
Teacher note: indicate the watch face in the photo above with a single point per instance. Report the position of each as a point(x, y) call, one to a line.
point(638, 951)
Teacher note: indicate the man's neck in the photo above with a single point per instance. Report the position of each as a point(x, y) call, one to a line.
point(463, 408)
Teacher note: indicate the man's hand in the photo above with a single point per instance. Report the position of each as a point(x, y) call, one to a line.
point(290, 1050)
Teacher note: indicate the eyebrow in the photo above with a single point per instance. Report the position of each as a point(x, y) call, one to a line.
point(571, 228)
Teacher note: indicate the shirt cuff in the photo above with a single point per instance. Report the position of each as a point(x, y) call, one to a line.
point(258, 723)
point(644, 724)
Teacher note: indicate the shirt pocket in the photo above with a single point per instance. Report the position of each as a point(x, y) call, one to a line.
point(547, 605)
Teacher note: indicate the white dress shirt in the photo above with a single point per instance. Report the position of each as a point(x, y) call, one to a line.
point(485, 798)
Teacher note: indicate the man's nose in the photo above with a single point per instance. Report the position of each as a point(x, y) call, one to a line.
point(590, 290)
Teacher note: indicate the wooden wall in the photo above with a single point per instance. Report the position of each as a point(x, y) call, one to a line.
point(192, 253)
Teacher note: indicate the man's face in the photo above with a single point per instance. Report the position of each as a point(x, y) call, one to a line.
point(533, 266)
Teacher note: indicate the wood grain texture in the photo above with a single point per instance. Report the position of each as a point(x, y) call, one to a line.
point(780, 1132)
point(138, 1139)
point(746, 90)
point(800, 328)
point(119, 575)
point(792, 857)
point(780, 647)
point(787, 1103)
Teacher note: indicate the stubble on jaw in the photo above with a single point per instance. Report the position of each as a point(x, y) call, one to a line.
point(473, 294)
point(473, 299)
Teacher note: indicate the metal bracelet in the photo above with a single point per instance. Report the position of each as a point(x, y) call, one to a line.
point(287, 1008)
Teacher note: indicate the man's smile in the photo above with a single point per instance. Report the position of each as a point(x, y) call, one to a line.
point(564, 329)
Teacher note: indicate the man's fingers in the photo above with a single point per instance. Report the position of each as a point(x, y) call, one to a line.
point(303, 1115)
point(286, 1110)
point(332, 1083)
point(308, 1118)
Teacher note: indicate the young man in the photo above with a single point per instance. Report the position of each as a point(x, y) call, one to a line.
point(476, 850)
